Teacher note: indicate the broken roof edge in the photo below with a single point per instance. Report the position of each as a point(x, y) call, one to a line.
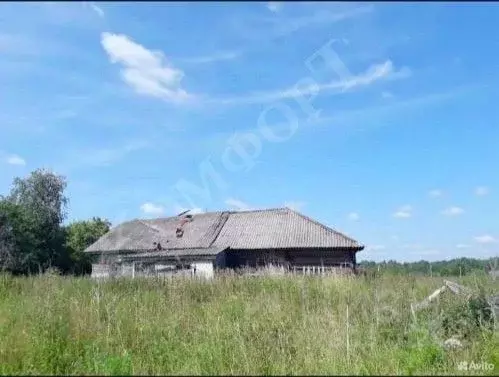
point(152, 250)
point(191, 252)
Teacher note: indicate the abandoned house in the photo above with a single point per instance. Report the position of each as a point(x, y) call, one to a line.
point(277, 239)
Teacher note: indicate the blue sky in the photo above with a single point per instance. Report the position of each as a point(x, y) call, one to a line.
point(380, 120)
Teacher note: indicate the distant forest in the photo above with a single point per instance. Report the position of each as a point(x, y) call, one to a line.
point(453, 267)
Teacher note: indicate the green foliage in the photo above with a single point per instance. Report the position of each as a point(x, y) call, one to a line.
point(80, 235)
point(20, 249)
point(453, 267)
point(32, 238)
point(32, 215)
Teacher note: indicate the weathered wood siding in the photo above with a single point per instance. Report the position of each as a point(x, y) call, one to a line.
point(288, 260)
point(306, 257)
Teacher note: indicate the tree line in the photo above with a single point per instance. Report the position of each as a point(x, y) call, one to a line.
point(452, 267)
point(33, 237)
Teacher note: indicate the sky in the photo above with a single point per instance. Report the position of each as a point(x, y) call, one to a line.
point(377, 119)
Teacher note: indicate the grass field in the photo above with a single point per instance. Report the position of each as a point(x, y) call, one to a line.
point(230, 325)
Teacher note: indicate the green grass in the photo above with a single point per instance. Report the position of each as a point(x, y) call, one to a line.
point(231, 325)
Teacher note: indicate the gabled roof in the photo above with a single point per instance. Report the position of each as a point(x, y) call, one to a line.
point(279, 228)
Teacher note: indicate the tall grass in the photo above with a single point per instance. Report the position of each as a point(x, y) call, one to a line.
point(230, 325)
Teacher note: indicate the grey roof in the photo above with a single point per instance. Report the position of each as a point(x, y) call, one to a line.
point(280, 228)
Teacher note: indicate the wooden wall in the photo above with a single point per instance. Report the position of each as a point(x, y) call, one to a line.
point(305, 257)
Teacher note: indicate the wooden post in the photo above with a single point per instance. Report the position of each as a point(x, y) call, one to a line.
point(133, 270)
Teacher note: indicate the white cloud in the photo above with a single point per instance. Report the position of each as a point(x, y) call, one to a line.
point(98, 10)
point(462, 246)
point(216, 57)
point(481, 191)
point(284, 26)
point(152, 209)
point(403, 212)
point(453, 211)
point(15, 160)
point(353, 216)
point(373, 74)
point(146, 71)
point(106, 156)
point(485, 239)
point(274, 6)
point(435, 193)
point(238, 205)
point(297, 206)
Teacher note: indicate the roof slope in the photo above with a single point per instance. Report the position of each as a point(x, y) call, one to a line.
point(141, 234)
point(260, 229)
point(278, 228)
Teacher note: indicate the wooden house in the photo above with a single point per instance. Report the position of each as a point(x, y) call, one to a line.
point(204, 243)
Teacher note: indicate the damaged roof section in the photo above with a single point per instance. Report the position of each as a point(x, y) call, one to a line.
point(280, 228)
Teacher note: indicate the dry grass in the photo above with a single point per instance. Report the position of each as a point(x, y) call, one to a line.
point(230, 325)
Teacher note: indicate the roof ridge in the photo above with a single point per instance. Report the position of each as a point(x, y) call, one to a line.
point(325, 227)
point(214, 212)
point(258, 210)
point(176, 216)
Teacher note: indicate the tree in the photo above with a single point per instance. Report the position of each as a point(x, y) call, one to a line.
point(79, 236)
point(20, 251)
point(31, 215)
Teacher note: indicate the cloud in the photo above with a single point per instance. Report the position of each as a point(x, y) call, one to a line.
point(453, 211)
point(98, 10)
point(238, 205)
point(485, 239)
point(152, 209)
point(216, 57)
point(481, 191)
point(294, 205)
point(435, 193)
point(108, 156)
point(145, 71)
point(274, 6)
point(15, 160)
point(462, 246)
point(353, 216)
point(285, 26)
point(374, 73)
point(396, 108)
point(403, 212)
